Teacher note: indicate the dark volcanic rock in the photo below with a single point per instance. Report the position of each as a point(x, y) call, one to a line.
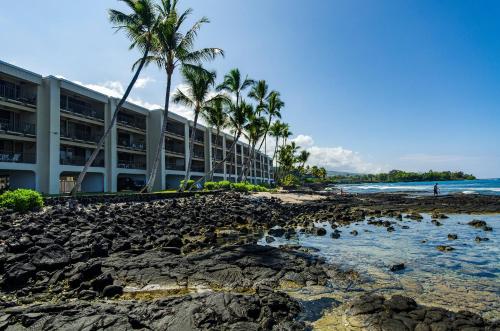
point(397, 267)
point(452, 236)
point(51, 257)
point(444, 248)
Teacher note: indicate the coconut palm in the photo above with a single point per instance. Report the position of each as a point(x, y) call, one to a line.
point(216, 117)
point(254, 131)
point(275, 131)
point(259, 93)
point(172, 48)
point(234, 84)
point(286, 133)
point(303, 157)
point(196, 96)
point(273, 107)
point(237, 119)
point(139, 26)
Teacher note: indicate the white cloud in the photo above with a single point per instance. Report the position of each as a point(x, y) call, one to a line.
point(334, 158)
point(143, 81)
point(115, 89)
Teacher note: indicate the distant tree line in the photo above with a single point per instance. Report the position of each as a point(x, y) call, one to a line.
point(402, 176)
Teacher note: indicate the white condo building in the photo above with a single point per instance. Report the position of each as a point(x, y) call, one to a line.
point(49, 127)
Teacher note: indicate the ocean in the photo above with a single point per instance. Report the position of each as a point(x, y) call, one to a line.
point(478, 186)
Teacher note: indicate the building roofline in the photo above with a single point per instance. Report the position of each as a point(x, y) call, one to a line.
point(21, 73)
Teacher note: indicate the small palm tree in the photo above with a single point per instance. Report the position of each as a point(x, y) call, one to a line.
point(172, 48)
point(273, 109)
point(259, 93)
point(197, 96)
point(234, 84)
point(275, 131)
point(303, 157)
point(254, 131)
point(139, 26)
point(217, 118)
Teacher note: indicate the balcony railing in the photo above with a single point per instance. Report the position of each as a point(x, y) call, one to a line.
point(174, 166)
point(8, 156)
point(133, 122)
point(197, 169)
point(127, 144)
point(80, 161)
point(20, 127)
point(198, 154)
point(81, 136)
point(175, 129)
point(132, 165)
point(82, 109)
point(15, 92)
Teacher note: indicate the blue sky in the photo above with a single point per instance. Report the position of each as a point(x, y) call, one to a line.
point(369, 85)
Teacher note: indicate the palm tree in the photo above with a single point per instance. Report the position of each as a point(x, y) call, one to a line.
point(217, 118)
point(286, 133)
point(303, 157)
point(259, 94)
point(197, 96)
point(254, 131)
point(237, 120)
point(275, 130)
point(139, 26)
point(171, 48)
point(235, 85)
point(273, 109)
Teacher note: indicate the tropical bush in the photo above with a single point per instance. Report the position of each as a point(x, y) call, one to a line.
point(21, 200)
point(290, 180)
point(189, 185)
point(239, 187)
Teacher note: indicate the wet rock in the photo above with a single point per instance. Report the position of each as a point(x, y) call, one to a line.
point(480, 239)
point(444, 248)
point(278, 232)
point(438, 215)
point(480, 225)
point(335, 235)
point(270, 239)
point(354, 232)
point(397, 267)
point(318, 231)
point(436, 223)
point(414, 216)
point(452, 236)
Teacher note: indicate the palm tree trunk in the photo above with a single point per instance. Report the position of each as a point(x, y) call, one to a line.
point(227, 157)
point(161, 145)
point(191, 152)
point(94, 154)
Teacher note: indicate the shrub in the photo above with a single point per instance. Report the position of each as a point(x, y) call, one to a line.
point(224, 185)
point(290, 180)
point(21, 200)
point(211, 186)
point(189, 185)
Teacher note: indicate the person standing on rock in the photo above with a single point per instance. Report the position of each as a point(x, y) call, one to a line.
point(436, 190)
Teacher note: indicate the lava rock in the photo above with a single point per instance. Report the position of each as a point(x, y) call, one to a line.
point(111, 291)
point(397, 267)
point(452, 236)
point(51, 257)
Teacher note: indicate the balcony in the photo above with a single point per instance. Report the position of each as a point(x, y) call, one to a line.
point(199, 136)
point(175, 164)
point(131, 121)
point(198, 153)
point(19, 127)
point(10, 157)
point(175, 129)
point(80, 107)
point(17, 93)
point(132, 164)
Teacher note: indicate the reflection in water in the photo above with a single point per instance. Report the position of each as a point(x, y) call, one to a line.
point(465, 278)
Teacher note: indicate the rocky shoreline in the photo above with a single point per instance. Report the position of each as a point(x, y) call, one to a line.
point(186, 263)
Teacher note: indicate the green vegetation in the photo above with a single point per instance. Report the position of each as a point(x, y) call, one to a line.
point(403, 176)
point(239, 187)
point(189, 185)
point(21, 200)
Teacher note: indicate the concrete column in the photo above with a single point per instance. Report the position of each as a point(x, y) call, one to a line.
point(224, 155)
point(208, 151)
point(154, 126)
point(48, 135)
point(186, 145)
point(110, 153)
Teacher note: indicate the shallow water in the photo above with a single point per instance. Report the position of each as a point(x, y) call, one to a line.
point(466, 278)
point(478, 186)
